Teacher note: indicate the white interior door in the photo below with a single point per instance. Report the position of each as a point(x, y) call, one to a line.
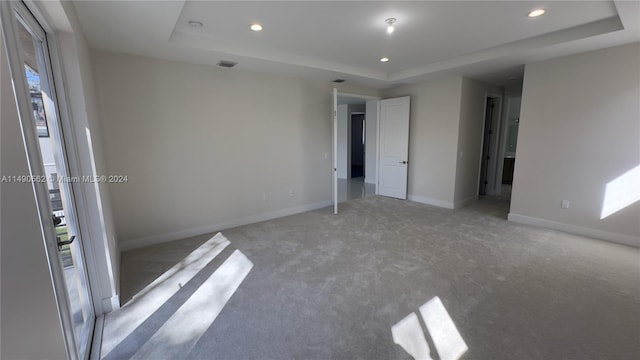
point(394, 147)
point(335, 150)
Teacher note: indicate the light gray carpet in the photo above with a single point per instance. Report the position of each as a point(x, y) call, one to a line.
point(331, 287)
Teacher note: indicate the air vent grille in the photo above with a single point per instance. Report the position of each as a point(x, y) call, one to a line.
point(227, 64)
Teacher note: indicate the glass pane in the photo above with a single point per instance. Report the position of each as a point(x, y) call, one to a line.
point(60, 195)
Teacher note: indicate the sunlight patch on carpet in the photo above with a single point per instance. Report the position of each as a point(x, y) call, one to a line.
point(122, 322)
point(441, 329)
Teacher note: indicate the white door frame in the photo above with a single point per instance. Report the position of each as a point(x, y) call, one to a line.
point(491, 186)
point(334, 176)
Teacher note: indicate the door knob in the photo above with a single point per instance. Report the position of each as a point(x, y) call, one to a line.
point(403, 162)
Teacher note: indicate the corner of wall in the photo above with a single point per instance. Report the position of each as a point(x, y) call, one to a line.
point(578, 138)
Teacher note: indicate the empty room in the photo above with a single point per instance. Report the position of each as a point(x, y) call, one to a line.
point(433, 180)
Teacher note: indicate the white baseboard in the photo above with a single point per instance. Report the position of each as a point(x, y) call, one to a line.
point(464, 202)
point(429, 201)
point(370, 181)
point(575, 229)
point(186, 233)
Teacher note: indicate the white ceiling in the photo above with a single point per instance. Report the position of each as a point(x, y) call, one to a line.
point(488, 40)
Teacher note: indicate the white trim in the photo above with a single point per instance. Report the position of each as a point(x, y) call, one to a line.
point(359, 96)
point(575, 229)
point(186, 233)
point(464, 202)
point(334, 149)
point(96, 344)
point(430, 201)
point(378, 148)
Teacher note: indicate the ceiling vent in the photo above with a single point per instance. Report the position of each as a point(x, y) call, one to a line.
point(227, 64)
point(338, 81)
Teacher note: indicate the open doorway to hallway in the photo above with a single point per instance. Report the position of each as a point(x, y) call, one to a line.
point(499, 142)
point(357, 141)
point(497, 153)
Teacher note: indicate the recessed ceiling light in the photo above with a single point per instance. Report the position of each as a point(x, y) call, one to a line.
point(384, 59)
point(256, 27)
point(195, 24)
point(390, 22)
point(536, 13)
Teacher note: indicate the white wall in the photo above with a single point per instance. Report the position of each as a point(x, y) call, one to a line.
point(357, 108)
point(29, 323)
point(470, 138)
point(371, 142)
point(579, 130)
point(513, 90)
point(433, 139)
point(203, 145)
point(344, 134)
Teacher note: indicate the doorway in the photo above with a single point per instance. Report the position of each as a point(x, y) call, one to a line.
point(356, 146)
point(487, 180)
point(31, 72)
point(486, 144)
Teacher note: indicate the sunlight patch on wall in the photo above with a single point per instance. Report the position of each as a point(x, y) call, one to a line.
point(621, 192)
